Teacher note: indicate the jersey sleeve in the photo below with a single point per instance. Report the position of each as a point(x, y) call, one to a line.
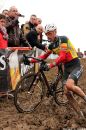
point(60, 59)
point(44, 56)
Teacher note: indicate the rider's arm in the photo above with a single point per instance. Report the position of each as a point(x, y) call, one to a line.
point(60, 59)
point(45, 55)
point(42, 56)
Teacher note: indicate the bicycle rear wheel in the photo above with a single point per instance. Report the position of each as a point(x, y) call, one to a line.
point(60, 96)
point(29, 93)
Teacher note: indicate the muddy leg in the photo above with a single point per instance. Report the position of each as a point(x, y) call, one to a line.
point(74, 104)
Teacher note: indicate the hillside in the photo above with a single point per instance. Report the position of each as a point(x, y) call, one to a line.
point(48, 116)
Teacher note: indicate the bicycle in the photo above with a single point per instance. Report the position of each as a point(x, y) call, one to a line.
point(32, 88)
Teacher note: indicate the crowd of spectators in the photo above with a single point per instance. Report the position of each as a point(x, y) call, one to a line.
point(29, 34)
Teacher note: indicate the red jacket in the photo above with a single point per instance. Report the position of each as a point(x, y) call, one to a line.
point(3, 42)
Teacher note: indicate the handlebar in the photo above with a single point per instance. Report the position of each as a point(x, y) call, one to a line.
point(35, 58)
point(42, 62)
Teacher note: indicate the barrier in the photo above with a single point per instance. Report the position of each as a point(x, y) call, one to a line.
point(3, 72)
point(12, 71)
point(20, 48)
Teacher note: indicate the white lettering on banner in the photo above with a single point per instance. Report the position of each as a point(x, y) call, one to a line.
point(25, 68)
point(2, 62)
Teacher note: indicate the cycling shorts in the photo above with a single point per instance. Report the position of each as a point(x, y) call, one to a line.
point(73, 73)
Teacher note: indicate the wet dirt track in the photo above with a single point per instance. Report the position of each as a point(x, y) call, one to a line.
point(48, 116)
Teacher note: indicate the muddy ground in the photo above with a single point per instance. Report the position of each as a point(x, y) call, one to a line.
point(48, 116)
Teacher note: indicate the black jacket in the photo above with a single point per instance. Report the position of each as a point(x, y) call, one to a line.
point(13, 31)
point(32, 38)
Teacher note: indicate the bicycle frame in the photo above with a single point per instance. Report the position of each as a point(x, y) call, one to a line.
point(37, 86)
point(41, 73)
point(38, 76)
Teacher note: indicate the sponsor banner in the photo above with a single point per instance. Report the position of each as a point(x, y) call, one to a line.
point(12, 67)
point(3, 72)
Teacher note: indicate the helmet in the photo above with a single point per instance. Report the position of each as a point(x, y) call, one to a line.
point(50, 27)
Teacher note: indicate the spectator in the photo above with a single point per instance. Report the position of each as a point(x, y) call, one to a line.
point(3, 45)
point(30, 25)
point(84, 55)
point(27, 27)
point(23, 41)
point(39, 21)
point(32, 37)
point(3, 33)
point(80, 54)
point(13, 27)
point(5, 12)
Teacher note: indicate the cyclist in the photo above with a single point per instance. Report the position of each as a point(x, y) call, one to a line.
point(67, 55)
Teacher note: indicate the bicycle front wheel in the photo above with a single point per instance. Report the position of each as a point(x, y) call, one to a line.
point(60, 96)
point(29, 93)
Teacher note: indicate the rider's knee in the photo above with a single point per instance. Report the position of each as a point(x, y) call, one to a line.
point(69, 84)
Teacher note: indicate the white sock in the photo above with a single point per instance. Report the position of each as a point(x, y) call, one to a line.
point(81, 114)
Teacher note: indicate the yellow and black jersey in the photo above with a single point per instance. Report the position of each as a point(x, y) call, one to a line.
point(65, 51)
point(62, 43)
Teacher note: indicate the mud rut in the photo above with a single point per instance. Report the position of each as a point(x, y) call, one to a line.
point(48, 116)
